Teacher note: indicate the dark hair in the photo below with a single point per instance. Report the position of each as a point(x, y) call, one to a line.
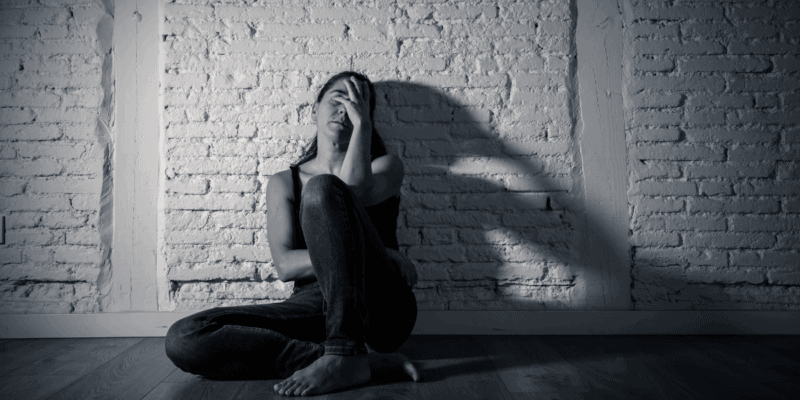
point(378, 148)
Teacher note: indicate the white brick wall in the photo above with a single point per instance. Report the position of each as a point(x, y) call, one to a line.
point(472, 94)
point(51, 154)
point(712, 132)
point(479, 99)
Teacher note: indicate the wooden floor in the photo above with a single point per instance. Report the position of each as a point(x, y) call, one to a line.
point(453, 367)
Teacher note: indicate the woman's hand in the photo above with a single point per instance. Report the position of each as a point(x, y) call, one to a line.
point(357, 103)
point(407, 269)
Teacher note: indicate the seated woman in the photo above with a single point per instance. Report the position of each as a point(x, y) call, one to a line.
point(331, 229)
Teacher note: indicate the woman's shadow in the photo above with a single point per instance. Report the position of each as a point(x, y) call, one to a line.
point(490, 212)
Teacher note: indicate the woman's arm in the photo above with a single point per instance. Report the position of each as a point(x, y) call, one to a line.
point(291, 264)
point(375, 181)
point(356, 169)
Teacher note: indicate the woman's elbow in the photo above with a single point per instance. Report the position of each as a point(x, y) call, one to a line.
point(280, 271)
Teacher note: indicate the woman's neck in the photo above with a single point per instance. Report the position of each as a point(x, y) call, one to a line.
point(330, 155)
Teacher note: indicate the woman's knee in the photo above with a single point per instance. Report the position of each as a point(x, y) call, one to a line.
point(180, 342)
point(321, 190)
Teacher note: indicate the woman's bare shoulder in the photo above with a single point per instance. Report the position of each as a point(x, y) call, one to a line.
point(280, 184)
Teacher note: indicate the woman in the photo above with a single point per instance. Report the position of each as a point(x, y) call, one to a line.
point(332, 221)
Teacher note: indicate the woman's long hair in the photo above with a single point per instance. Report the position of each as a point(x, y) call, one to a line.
point(378, 148)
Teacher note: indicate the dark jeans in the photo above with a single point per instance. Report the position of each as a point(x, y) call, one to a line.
point(359, 297)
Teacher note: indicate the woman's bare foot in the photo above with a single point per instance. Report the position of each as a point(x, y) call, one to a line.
point(327, 374)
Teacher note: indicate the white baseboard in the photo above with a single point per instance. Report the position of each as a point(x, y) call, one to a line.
point(143, 324)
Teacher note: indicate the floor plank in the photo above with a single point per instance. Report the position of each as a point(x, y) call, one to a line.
point(690, 373)
point(79, 357)
point(196, 390)
point(16, 354)
point(759, 364)
point(532, 369)
point(34, 387)
point(130, 375)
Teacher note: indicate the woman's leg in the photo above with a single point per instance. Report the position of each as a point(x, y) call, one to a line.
point(251, 342)
point(366, 298)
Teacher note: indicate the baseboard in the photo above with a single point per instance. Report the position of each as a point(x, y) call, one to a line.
point(143, 324)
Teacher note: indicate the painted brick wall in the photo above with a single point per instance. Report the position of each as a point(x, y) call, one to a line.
point(474, 95)
point(712, 128)
point(54, 93)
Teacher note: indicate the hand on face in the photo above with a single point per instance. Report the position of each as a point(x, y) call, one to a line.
point(356, 103)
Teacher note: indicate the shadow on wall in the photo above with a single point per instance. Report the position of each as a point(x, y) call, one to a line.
point(493, 220)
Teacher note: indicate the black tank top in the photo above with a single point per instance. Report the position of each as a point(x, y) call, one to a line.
point(382, 215)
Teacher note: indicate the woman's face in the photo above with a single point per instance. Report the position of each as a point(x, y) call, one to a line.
point(331, 115)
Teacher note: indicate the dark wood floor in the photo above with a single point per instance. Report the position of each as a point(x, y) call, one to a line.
point(453, 367)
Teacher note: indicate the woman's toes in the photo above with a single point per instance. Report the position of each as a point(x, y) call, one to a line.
point(300, 389)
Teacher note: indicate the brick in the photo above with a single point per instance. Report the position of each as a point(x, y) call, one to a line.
point(11, 187)
point(234, 184)
point(538, 183)
point(654, 239)
point(745, 223)
point(187, 186)
point(677, 13)
point(215, 165)
point(764, 259)
point(760, 48)
point(10, 256)
point(715, 30)
point(725, 275)
point(656, 135)
point(86, 202)
point(34, 236)
point(733, 206)
point(786, 64)
point(89, 237)
point(504, 201)
point(416, 31)
point(237, 219)
point(655, 205)
point(34, 203)
point(784, 277)
point(61, 220)
point(716, 188)
point(767, 188)
point(680, 256)
point(184, 220)
point(65, 185)
point(716, 64)
point(450, 219)
point(350, 13)
point(665, 47)
point(540, 80)
point(201, 130)
point(77, 254)
point(210, 202)
point(657, 100)
point(41, 167)
point(729, 240)
point(212, 272)
point(226, 236)
point(254, 13)
point(720, 101)
point(763, 83)
point(729, 170)
point(712, 84)
point(677, 153)
point(711, 135)
point(763, 117)
point(664, 188)
point(656, 118)
point(752, 153)
point(653, 65)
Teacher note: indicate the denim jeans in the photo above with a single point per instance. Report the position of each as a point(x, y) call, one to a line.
point(359, 297)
